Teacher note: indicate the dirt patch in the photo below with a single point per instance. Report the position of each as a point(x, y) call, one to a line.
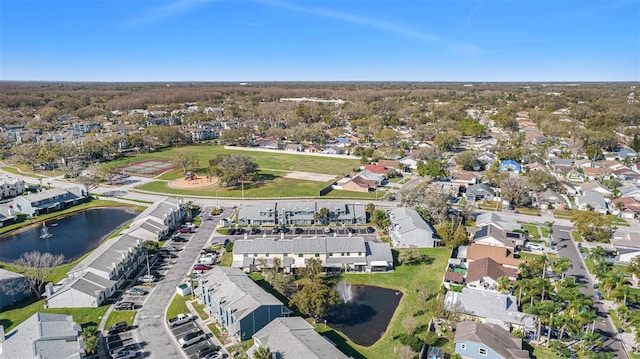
point(310, 176)
point(196, 183)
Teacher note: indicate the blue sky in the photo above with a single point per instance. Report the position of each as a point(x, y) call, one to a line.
point(308, 40)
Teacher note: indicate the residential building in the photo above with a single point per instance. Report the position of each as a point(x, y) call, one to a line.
point(7, 214)
point(550, 199)
point(13, 287)
point(464, 179)
point(510, 166)
point(11, 186)
point(236, 302)
point(294, 338)
point(479, 341)
point(495, 219)
point(106, 269)
point(592, 200)
point(491, 235)
point(301, 213)
point(350, 254)
point(627, 244)
point(484, 274)
point(489, 307)
point(408, 229)
point(480, 192)
point(43, 335)
point(503, 255)
point(50, 200)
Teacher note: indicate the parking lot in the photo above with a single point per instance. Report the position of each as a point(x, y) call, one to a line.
point(182, 330)
point(123, 341)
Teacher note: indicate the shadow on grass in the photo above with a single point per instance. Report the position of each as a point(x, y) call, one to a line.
point(341, 344)
point(23, 303)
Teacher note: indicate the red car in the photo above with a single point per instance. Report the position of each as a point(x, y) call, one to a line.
point(185, 230)
point(201, 267)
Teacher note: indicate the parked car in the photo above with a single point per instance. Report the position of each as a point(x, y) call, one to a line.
point(231, 231)
point(136, 291)
point(192, 338)
point(598, 294)
point(119, 327)
point(125, 354)
point(351, 230)
point(125, 306)
point(226, 241)
point(182, 318)
point(392, 198)
point(201, 267)
point(148, 278)
point(239, 231)
point(184, 230)
point(327, 230)
point(370, 230)
point(207, 349)
point(178, 239)
point(298, 231)
point(216, 355)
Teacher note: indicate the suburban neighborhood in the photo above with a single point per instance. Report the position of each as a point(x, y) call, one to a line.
point(486, 226)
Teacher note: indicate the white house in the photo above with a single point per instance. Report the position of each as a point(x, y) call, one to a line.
point(408, 229)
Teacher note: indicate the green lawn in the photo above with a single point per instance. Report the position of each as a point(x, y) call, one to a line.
point(576, 236)
point(120, 316)
point(226, 260)
point(545, 231)
point(406, 279)
point(532, 229)
point(177, 306)
point(200, 310)
point(285, 161)
point(18, 312)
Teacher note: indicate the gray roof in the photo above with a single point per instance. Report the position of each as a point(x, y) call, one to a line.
point(44, 335)
point(480, 189)
point(495, 307)
point(379, 252)
point(493, 218)
point(628, 190)
point(411, 228)
point(64, 194)
point(498, 339)
point(594, 199)
point(236, 291)
point(294, 338)
point(110, 253)
point(299, 245)
point(507, 238)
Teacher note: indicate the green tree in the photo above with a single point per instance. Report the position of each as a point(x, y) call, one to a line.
point(542, 180)
point(471, 127)
point(313, 269)
point(381, 220)
point(262, 353)
point(322, 216)
point(446, 141)
point(435, 169)
point(185, 159)
point(315, 299)
point(231, 169)
point(594, 152)
point(560, 265)
point(593, 226)
point(467, 160)
point(91, 340)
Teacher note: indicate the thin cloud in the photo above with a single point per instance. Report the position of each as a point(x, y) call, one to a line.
point(472, 12)
point(374, 23)
point(173, 8)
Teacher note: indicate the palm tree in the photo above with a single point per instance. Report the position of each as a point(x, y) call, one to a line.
point(262, 353)
point(560, 266)
point(597, 254)
point(504, 284)
point(322, 215)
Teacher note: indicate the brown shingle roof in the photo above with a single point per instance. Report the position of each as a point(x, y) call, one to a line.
point(493, 336)
point(487, 267)
point(453, 277)
point(501, 255)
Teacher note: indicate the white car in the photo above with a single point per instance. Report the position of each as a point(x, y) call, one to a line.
point(192, 338)
point(127, 354)
point(534, 247)
point(148, 278)
point(180, 319)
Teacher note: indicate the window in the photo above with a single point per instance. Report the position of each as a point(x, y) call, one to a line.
point(266, 255)
point(300, 255)
point(463, 346)
point(330, 254)
point(342, 254)
point(255, 254)
point(246, 255)
point(482, 351)
point(348, 254)
point(317, 255)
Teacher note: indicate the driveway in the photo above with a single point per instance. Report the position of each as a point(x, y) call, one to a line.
point(151, 330)
point(566, 247)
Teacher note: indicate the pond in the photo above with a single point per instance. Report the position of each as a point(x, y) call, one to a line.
point(71, 236)
point(365, 312)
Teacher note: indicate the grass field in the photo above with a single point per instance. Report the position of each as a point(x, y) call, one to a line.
point(177, 306)
point(284, 161)
point(532, 230)
point(120, 316)
point(405, 278)
point(20, 311)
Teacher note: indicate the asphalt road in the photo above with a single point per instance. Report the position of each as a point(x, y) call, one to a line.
point(566, 247)
point(152, 331)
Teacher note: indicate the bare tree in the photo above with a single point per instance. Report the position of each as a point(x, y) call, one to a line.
point(185, 160)
point(36, 267)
